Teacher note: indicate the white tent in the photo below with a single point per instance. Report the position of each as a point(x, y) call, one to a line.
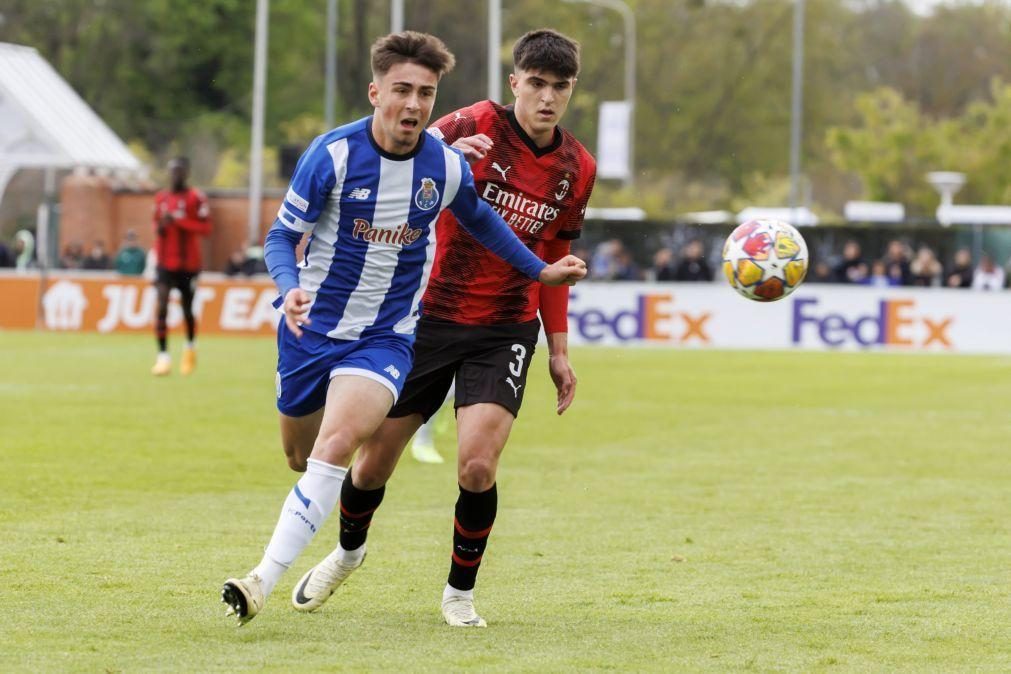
point(45, 125)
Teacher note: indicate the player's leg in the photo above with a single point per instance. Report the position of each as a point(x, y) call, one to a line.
point(355, 406)
point(163, 363)
point(490, 389)
point(187, 290)
point(298, 436)
point(424, 390)
point(423, 445)
point(360, 497)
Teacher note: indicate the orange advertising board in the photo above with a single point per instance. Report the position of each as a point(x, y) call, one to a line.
point(102, 302)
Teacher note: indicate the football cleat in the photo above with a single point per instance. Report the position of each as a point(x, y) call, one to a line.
point(244, 597)
point(189, 362)
point(162, 365)
point(459, 612)
point(425, 452)
point(321, 581)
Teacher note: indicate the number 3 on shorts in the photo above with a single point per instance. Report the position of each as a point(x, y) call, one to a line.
point(516, 367)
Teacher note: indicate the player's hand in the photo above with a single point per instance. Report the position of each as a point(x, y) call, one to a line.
point(296, 310)
point(565, 380)
point(474, 148)
point(566, 271)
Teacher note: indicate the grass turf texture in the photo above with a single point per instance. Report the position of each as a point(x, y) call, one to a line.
point(693, 511)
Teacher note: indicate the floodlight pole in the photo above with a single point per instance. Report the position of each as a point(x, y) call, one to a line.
point(330, 92)
point(396, 16)
point(796, 102)
point(259, 95)
point(494, 43)
point(628, 16)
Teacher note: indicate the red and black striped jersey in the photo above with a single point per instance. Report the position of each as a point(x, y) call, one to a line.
point(177, 243)
point(541, 193)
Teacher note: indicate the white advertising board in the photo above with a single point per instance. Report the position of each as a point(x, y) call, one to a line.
point(818, 317)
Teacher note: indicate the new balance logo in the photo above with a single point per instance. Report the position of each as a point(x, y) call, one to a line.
point(516, 388)
point(393, 371)
point(359, 193)
point(495, 165)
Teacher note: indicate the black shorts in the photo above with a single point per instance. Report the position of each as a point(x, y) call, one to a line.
point(489, 362)
point(184, 281)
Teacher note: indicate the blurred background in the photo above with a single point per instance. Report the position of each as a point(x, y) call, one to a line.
point(837, 108)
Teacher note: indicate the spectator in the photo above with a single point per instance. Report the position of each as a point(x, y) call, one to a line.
point(820, 273)
point(988, 276)
point(880, 276)
point(73, 256)
point(925, 269)
point(97, 257)
point(692, 266)
point(663, 265)
point(131, 258)
point(897, 263)
point(6, 256)
point(24, 249)
point(236, 263)
point(960, 274)
point(852, 268)
point(605, 259)
point(625, 268)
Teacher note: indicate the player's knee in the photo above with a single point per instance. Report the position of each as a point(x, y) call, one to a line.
point(477, 474)
point(297, 457)
point(337, 446)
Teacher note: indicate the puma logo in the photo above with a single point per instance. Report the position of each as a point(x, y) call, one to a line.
point(516, 388)
point(495, 165)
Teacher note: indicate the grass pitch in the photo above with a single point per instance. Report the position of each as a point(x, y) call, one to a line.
point(693, 511)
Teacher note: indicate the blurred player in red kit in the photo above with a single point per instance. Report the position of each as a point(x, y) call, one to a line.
point(181, 218)
point(479, 321)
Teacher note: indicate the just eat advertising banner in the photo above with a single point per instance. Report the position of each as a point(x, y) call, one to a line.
point(685, 315)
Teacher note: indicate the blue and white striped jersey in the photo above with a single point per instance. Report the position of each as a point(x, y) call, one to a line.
point(372, 219)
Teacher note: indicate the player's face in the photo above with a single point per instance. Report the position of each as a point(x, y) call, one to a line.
point(541, 100)
point(403, 99)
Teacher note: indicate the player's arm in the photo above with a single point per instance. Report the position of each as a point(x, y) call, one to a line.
point(554, 309)
point(488, 227)
point(198, 215)
point(554, 302)
point(312, 181)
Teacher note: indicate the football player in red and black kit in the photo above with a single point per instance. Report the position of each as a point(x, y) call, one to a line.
point(181, 217)
point(479, 317)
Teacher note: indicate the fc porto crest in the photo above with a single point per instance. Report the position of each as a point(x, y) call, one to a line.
point(427, 195)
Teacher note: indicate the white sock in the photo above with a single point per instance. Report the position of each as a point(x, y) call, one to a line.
point(426, 434)
point(451, 591)
point(191, 345)
point(164, 354)
point(307, 506)
point(351, 557)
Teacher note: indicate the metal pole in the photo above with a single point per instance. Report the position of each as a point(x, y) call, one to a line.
point(259, 95)
point(796, 107)
point(396, 16)
point(494, 44)
point(330, 92)
point(628, 16)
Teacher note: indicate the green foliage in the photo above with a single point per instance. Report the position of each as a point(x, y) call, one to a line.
point(853, 518)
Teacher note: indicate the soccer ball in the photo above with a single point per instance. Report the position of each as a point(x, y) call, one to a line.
point(765, 260)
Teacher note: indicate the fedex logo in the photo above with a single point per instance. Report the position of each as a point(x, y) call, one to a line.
point(896, 323)
point(652, 318)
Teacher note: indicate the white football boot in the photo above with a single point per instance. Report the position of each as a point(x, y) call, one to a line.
point(459, 612)
point(244, 597)
point(322, 580)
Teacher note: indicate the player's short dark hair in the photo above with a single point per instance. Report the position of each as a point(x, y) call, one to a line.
point(180, 162)
point(547, 50)
point(411, 47)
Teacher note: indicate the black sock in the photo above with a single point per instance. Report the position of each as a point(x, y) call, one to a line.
point(356, 508)
point(475, 515)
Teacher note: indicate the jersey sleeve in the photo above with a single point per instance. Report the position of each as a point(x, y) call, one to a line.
point(456, 125)
point(554, 300)
point(573, 226)
point(311, 184)
point(198, 213)
point(488, 227)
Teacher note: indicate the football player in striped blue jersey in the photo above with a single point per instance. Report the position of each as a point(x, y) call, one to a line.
point(369, 193)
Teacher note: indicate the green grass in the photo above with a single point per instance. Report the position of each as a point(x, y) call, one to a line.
point(695, 510)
